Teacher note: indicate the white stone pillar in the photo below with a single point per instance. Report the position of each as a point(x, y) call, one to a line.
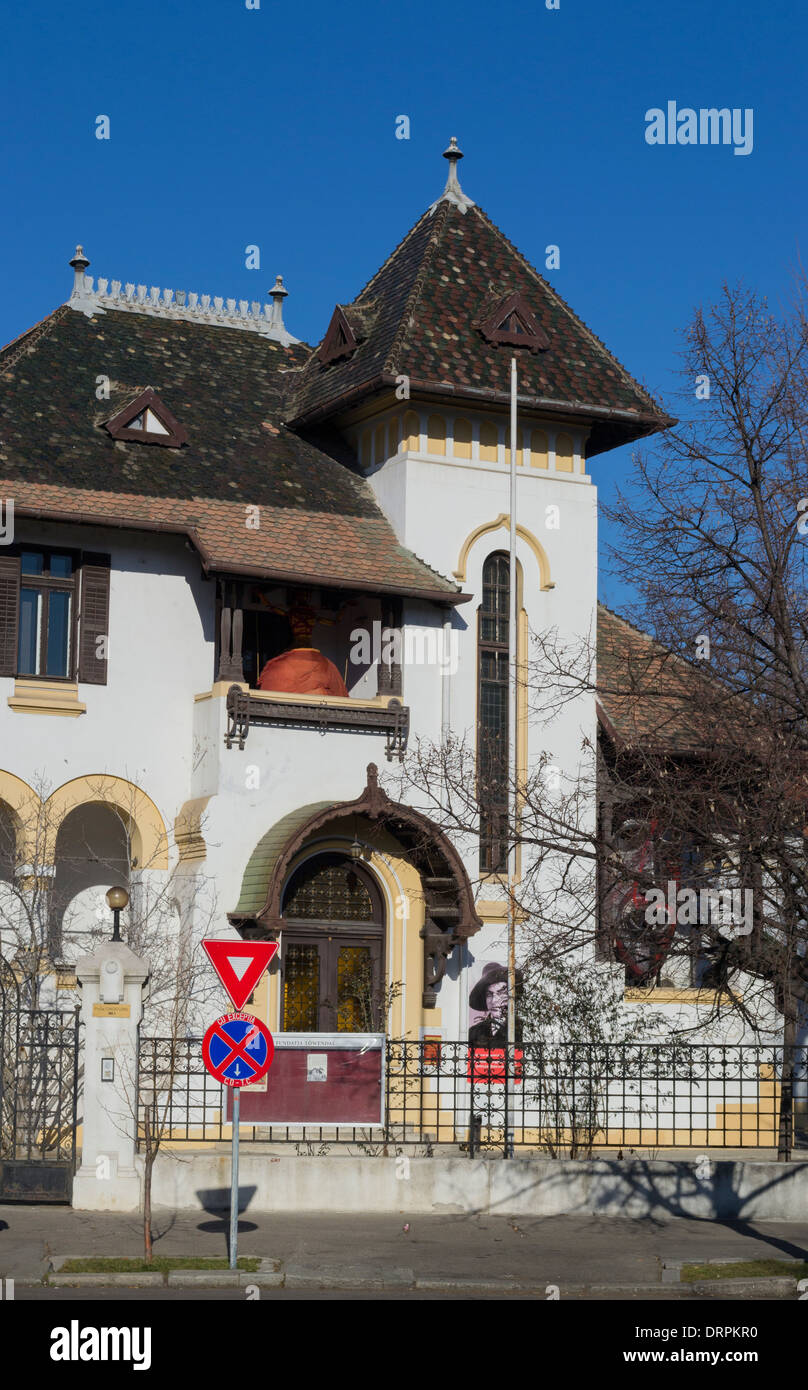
point(112, 981)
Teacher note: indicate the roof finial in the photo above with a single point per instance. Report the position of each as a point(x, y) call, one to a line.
point(453, 193)
point(278, 294)
point(79, 264)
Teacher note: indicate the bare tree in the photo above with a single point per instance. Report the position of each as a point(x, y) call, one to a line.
point(675, 843)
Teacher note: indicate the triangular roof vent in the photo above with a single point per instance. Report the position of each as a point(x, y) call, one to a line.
point(339, 340)
point(146, 420)
point(513, 322)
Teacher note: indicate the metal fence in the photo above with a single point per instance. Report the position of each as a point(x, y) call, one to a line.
point(39, 1089)
point(566, 1099)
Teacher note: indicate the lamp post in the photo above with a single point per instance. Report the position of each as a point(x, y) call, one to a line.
point(117, 898)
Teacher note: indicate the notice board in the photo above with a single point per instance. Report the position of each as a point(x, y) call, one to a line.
point(319, 1079)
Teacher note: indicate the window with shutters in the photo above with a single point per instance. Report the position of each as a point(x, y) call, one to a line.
point(45, 640)
point(54, 606)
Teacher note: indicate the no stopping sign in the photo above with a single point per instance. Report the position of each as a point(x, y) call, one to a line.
point(237, 1049)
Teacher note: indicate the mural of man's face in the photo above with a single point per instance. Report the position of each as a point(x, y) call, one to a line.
point(496, 1000)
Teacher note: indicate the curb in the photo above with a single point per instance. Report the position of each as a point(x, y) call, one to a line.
point(134, 1280)
point(779, 1283)
point(267, 1276)
point(270, 1276)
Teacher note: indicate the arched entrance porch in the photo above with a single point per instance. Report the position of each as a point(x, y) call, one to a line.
point(440, 897)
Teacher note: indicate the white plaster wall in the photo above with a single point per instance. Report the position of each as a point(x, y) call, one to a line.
point(278, 771)
point(139, 725)
point(435, 505)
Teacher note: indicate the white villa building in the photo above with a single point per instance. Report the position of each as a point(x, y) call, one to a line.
point(201, 513)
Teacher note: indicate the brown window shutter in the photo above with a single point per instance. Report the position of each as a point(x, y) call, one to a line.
point(9, 613)
point(93, 617)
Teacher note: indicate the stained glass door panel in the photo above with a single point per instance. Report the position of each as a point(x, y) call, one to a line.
point(354, 990)
point(301, 988)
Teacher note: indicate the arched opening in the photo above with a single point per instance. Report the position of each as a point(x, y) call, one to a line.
point(332, 948)
point(92, 855)
point(564, 453)
point(436, 435)
point(493, 619)
point(411, 440)
point(8, 842)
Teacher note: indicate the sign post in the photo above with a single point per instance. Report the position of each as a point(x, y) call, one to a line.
point(234, 1184)
point(238, 1049)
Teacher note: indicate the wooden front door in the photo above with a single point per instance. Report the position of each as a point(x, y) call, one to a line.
point(332, 949)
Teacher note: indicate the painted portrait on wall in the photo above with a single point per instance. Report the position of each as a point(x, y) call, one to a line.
point(488, 1004)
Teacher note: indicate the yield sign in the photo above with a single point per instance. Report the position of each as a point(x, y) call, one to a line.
point(237, 1049)
point(240, 965)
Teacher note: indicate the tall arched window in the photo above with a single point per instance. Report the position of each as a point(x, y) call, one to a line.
point(492, 713)
point(332, 948)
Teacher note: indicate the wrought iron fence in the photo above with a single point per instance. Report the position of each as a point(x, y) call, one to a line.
point(39, 1091)
point(564, 1100)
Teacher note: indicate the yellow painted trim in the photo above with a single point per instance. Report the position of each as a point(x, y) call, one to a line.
point(489, 442)
point(188, 835)
point(461, 438)
point(219, 689)
point(565, 457)
point(495, 910)
point(46, 697)
point(339, 701)
point(25, 806)
point(410, 433)
point(665, 995)
point(503, 521)
point(397, 878)
point(149, 839)
point(539, 456)
point(436, 434)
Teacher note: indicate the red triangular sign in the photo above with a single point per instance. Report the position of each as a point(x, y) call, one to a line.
point(239, 965)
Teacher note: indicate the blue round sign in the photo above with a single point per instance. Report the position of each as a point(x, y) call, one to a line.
point(237, 1049)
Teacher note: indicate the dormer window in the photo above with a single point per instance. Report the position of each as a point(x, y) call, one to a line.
point(339, 340)
point(147, 420)
point(513, 323)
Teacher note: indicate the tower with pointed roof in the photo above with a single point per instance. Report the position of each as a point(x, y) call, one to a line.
point(201, 501)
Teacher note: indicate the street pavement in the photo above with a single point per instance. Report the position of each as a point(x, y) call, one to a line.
point(571, 1251)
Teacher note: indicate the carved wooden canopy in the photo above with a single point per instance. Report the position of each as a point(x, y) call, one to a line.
point(450, 914)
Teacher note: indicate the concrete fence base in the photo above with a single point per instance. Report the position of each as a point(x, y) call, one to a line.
point(521, 1187)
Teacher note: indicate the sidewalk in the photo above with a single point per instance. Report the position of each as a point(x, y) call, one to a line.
point(563, 1250)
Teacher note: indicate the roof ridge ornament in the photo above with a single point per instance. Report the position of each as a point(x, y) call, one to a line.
point(453, 193)
point(266, 320)
point(277, 295)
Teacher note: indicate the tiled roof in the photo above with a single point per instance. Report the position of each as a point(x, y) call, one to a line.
point(421, 316)
point(226, 387)
point(649, 696)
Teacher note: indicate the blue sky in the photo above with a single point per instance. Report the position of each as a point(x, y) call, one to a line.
point(276, 126)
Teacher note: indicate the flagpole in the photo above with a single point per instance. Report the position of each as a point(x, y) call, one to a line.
point(512, 772)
